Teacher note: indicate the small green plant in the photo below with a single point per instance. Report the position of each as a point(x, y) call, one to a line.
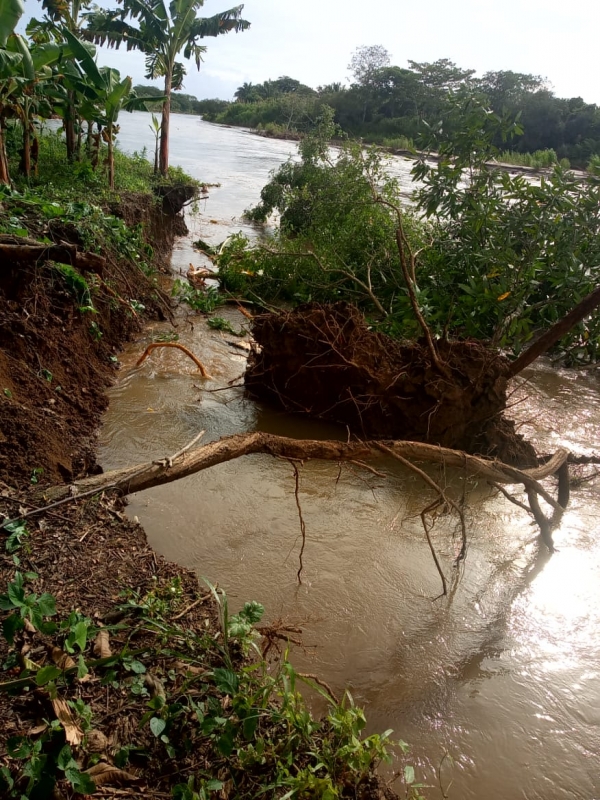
point(221, 324)
point(76, 284)
point(201, 300)
point(25, 606)
point(137, 306)
point(47, 375)
point(36, 474)
point(7, 393)
point(17, 535)
point(95, 331)
point(166, 336)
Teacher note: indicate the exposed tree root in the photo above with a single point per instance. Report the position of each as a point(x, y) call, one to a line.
point(325, 361)
point(178, 346)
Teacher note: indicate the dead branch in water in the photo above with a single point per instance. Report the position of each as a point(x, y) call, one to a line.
point(178, 346)
point(145, 476)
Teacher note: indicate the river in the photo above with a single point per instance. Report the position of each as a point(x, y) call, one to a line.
point(503, 676)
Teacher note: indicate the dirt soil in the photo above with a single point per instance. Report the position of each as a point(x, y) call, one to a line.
point(56, 361)
point(324, 361)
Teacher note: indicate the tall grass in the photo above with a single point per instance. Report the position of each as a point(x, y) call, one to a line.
point(541, 159)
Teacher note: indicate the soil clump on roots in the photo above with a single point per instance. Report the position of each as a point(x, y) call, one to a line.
point(324, 361)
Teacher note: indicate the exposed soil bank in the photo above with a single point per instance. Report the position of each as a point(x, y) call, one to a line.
point(56, 360)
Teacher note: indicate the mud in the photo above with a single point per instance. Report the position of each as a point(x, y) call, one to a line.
point(325, 362)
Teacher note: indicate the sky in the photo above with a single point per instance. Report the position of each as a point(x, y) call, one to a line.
point(313, 40)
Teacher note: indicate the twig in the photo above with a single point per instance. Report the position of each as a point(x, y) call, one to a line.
point(372, 470)
point(409, 272)
point(302, 523)
point(436, 487)
point(511, 497)
point(197, 602)
point(320, 682)
point(432, 548)
point(168, 461)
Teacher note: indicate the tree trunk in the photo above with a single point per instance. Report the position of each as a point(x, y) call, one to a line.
point(155, 473)
point(111, 157)
point(556, 332)
point(69, 126)
point(4, 174)
point(89, 139)
point(164, 128)
point(26, 160)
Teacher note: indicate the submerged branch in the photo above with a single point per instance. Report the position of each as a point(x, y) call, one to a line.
point(145, 476)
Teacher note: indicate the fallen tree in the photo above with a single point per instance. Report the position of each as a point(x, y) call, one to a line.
point(189, 461)
point(20, 250)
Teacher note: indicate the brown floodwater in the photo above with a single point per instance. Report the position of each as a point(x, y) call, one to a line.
point(504, 674)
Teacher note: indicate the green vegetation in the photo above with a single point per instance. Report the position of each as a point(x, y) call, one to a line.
point(163, 32)
point(181, 103)
point(387, 102)
point(194, 700)
point(496, 259)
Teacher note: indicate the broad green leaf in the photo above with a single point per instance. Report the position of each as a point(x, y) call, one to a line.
point(47, 674)
point(157, 726)
point(65, 758)
point(11, 12)
point(226, 681)
point(78, 635)
point(253, 612)
point(409, 775)
point(11, 625)
point(20, 46)
point(82, 669)
point(16, 593)
point(47, 605)
point(82, 53)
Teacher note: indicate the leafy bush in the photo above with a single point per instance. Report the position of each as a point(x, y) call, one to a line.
point(499, 257)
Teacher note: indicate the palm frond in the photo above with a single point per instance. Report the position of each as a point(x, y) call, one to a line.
point(225, 22)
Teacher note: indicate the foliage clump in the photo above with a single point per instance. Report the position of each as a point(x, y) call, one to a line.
point(497, 257)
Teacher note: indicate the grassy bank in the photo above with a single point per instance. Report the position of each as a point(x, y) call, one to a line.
point(119, 672)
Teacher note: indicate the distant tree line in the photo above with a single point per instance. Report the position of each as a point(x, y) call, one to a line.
point(389, 105)
point(180, 103)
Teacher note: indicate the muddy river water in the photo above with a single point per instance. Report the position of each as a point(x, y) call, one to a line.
point(504, 675)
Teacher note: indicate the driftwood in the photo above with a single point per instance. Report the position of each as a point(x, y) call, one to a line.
point(145, 476)
point(21, 250)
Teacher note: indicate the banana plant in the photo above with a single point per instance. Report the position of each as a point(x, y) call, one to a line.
point(164, 30)
point(111, 96)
